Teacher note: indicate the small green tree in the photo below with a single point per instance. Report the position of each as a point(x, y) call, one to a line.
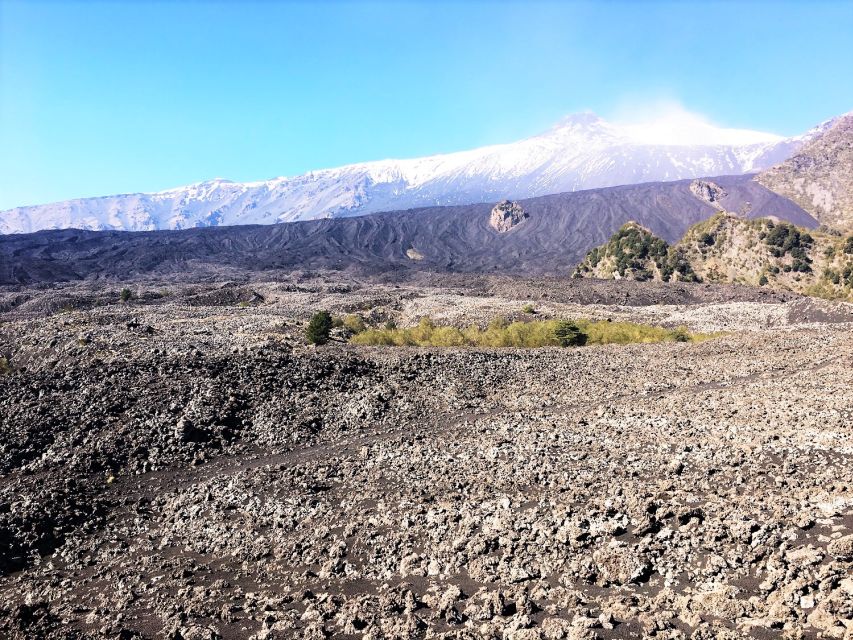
point(569, 334)
point(125, 294)
point(319, 328)
point(681, 334)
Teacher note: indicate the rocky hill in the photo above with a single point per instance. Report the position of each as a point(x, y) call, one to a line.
point(546, 235)
point(820, 176)
point(635, 253)
point(730, 249)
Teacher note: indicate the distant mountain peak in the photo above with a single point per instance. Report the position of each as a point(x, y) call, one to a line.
point(580, 119)
point(581, 151)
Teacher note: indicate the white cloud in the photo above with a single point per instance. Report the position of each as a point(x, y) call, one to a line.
point(667, 122)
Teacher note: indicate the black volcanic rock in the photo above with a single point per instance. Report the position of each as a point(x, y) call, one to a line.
point(560, 230)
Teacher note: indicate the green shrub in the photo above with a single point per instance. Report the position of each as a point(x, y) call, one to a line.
point(125, 294)
point(832, 276)
point(5, 367)
point(681, 334)
point(801, 266)
point(848, 246)
point(785, 238)
point(528, 308)
point(763, 280)
point(568, 334)
point(319, 328)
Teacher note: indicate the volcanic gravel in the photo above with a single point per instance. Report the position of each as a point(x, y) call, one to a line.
point(182, 466)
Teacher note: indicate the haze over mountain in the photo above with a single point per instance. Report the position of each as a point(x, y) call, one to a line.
point(582, 151)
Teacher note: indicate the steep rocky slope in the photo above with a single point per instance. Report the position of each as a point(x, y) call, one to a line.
point(728, 248)
point(550, 235)
point(580, 152)
point(820, 176)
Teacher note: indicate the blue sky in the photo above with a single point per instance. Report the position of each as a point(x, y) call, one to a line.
point(110, 97)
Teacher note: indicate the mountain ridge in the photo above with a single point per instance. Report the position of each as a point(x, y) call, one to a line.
point(819, 177)
point(580, 152)
point(555, 234)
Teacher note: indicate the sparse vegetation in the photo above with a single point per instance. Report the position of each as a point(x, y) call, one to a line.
point(125, 295)
point(537, 333)
point(319, 328)
point(5, 367)
point(635, 252)
point(729, 249)
point(832, 276)
point(355, 323)
point(528, 308)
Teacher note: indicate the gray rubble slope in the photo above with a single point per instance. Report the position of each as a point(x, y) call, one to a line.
point(184, 467)
point(560, 229)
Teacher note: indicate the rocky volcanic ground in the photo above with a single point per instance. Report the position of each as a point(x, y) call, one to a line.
point(183, 466)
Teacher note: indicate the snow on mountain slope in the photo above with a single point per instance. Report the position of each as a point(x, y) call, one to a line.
point(581, 152)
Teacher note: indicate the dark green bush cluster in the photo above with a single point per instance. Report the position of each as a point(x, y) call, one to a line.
point(785, 239)
point(568, 334)
point(707, 239)
point(632, 247)
point(848, 246)
point(843, 278)
point(677, 263)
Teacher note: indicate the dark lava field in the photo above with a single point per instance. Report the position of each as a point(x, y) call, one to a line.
point(182, 465)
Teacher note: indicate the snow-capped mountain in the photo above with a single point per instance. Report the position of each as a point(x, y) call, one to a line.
point(582, 151)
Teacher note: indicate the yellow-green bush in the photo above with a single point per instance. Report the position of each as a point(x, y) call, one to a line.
point(630, 332)
point(354, 323)
point(540, 333)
